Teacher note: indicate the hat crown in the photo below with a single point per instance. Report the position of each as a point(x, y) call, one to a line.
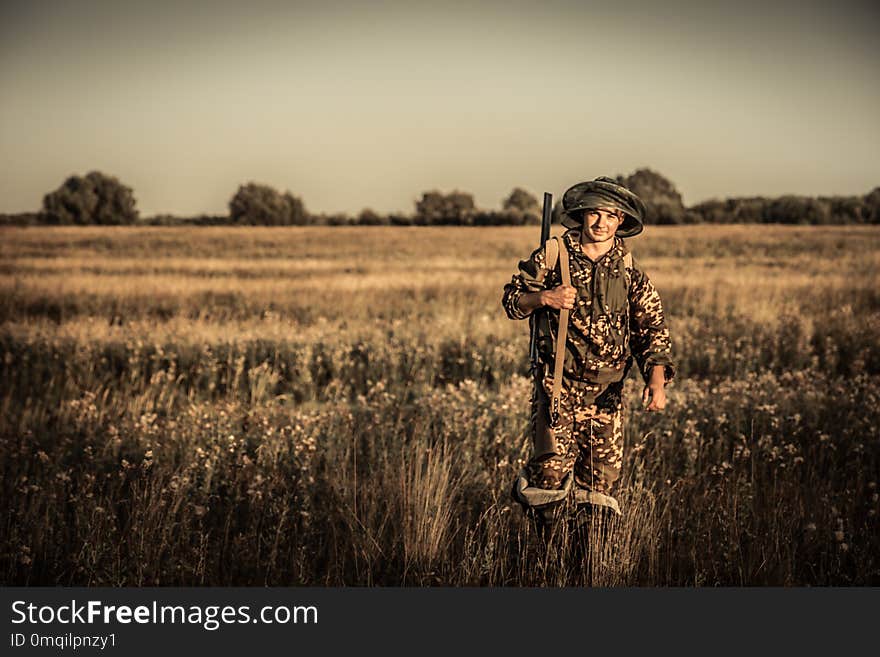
point(605, 192)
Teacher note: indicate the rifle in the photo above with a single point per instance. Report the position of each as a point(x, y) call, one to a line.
point(542, 440)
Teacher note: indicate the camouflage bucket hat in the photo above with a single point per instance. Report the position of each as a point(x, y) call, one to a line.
point(604, 192)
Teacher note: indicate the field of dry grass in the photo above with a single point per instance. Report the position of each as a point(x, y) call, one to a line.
point(326, 406)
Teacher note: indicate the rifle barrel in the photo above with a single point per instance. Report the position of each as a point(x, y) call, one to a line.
point(546, 217)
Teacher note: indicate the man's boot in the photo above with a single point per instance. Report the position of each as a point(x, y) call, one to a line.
point(544, 507)
point(547, 518)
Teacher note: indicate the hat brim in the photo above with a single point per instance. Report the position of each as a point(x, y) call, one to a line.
point(629, 227)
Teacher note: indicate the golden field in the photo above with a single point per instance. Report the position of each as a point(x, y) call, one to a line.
point(348, 405)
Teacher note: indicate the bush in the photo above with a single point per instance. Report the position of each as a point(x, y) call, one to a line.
point(368, 217)
point(262, 205)
point(504, 218)
point(91, 199)
point(19, 219)
point(871, 207)
point(659, 194)
point(524, 205)
point(435, 209)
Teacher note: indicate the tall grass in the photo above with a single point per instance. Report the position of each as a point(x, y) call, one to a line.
point(348, 406)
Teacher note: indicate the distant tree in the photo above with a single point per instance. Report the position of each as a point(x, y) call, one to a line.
point(368, 217)
point(20, 219)
point(731, 210)
point(791, 209)
point(339, 219)
point(436, 208)
point(659, 194)
point(400, 220)
point(521, 202)
point(747, 210)
point(787, 209)
point(195, 220)
point(95, 198)
point(461, 206)
point(711, 211)
point(845, 209)
point(503, 218)
point(263, 205)
point(871, 207)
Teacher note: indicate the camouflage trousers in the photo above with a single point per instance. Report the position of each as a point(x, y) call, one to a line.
point(588, 436)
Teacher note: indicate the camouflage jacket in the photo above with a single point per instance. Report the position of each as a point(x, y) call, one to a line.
point(617, 314)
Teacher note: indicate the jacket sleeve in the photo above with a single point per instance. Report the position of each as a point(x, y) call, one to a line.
point(530, 277)
point(649, 336)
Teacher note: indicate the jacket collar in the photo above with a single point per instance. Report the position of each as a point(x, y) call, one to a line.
point(572, 239)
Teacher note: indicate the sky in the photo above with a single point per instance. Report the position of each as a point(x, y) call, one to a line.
point(350, 105)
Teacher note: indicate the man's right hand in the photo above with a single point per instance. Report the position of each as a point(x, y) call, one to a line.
point(560, 298)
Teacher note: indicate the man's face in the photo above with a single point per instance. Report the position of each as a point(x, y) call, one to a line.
point(600, 224)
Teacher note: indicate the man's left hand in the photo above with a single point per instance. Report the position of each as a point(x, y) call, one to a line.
point(654, 394)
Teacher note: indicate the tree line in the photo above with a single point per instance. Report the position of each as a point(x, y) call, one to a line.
point(100, 199)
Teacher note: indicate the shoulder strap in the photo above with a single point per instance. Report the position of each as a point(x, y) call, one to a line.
point(551, 253)
point(627, 260)
point(562, 334)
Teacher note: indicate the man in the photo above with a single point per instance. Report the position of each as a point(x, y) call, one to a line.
point(615, 317)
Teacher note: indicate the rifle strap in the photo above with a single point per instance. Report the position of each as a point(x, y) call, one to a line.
point(561, 336)
point(551, 253)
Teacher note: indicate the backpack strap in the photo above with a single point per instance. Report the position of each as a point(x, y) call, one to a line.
point(561, 336)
